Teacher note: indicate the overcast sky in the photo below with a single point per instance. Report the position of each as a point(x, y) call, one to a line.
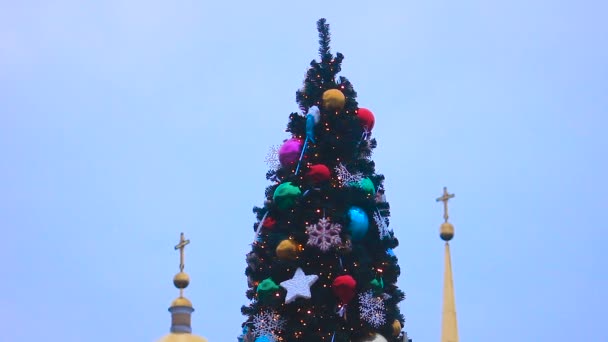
point(124, 123)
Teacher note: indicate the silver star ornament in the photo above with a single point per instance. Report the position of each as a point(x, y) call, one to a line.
point(298, 286)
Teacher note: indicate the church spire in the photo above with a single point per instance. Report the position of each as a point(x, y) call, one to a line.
point(449, 325)
point(181, 308)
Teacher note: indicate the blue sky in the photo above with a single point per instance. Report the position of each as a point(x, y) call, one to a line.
point(124, 123)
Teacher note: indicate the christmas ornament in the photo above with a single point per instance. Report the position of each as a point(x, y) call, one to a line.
point(272, 157)
point(371, 309)
point(312, 118)
point(287, 250)
point(269, 223)
point(374, 338)
point(333, 99)
point(265, 338)
point(367, 118)
point(383, 229)
point(285, 195)
point(377, 285)
point(318, 174)
point(298, 286)
point(396, 327)
point(359, 223)
point(268, 323)
point(345, 177)
point(290, 151)
point(365, 184)
point(266, 287)
point(324, 234)
point(344, 287)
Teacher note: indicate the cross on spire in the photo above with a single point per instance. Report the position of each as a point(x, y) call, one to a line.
point(445, 198)
point(181, 245)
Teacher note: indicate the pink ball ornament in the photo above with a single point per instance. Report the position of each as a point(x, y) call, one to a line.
point(367, 118)
point(289, 153)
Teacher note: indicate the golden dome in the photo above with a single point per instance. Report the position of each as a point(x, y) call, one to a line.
point(181, 280)
point(181, 301)
point(446, 231)
point(172, 337)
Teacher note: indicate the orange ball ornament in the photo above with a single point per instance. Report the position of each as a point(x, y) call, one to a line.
point(333, 99)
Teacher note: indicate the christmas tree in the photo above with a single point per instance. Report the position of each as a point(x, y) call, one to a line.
point(322, 266)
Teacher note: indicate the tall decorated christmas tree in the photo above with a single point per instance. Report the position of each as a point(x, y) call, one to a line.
point(322, 266)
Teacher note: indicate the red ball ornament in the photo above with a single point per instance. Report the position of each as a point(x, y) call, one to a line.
point(344, 287)
point(318, 173)
point(366, 117)
point(269, 223)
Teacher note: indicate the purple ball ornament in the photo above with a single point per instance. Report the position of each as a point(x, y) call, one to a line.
point(290, 152)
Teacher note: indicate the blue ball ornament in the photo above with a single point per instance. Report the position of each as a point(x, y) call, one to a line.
point(265, 338)
point(359, 223)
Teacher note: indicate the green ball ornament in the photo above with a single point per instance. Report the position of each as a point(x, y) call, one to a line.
point(285, 195)
point(366, 185)
point(266, 287)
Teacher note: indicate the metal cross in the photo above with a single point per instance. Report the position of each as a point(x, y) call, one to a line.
point(182, 243)
point(445, 198)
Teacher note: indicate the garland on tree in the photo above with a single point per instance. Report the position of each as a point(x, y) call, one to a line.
point(322, 233)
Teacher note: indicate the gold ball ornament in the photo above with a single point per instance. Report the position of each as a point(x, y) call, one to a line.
point(374, 338)
point(333, 99)
point(446, 232)
point(396, 328)
point(288, 250)
point(181, 280)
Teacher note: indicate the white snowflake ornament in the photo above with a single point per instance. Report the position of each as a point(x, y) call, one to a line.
point(345, 177)
point(383, 229)
point(324, 234)
point(298, 286)
point(268, 323)
point(371, 309)
point(272, 157)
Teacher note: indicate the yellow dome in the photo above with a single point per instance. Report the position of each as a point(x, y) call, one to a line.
point(182, 338)
point(181, 301)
